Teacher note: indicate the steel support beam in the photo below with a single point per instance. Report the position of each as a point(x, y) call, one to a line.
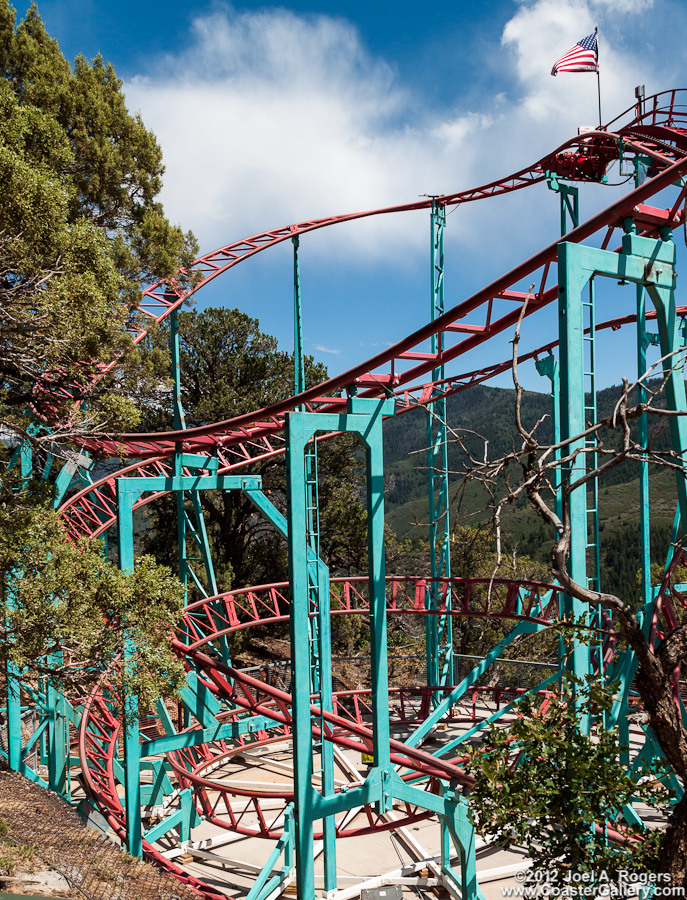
point(572, 278)
point(298, 358)
point(364, 418)
point(438, 628)
point(126, 497)
point(650, 264)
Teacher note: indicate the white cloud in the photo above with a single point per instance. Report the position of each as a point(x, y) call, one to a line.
point(622, 6)
point(327, 350)
point(269, 118)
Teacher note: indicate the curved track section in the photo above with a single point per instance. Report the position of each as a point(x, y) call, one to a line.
point(252, 812)
point(660, 133)
point(405, 363)
point(241, 441)
point(209, 619)
point(93, 510)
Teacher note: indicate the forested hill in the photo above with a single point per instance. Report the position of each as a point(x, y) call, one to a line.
point(481, 414)
point(487, 413)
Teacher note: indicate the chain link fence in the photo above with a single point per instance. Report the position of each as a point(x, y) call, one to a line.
point(28, 727)
point(93, 867)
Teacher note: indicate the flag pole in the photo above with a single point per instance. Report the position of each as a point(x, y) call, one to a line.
point(598, 77)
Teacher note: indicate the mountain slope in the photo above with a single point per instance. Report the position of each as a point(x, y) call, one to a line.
point(487, 414)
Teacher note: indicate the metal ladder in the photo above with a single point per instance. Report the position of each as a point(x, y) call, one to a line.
point(313, 542)
point(569, 208)
point(594, 580)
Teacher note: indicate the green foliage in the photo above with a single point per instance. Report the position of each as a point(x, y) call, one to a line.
point(562, 784)
point(81, 234)
point(80, 229)
point(66, 610)
point(110, 165)
point(229, 367)
point(473, 555)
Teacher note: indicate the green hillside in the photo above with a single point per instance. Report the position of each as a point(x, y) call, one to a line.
point(489, 412)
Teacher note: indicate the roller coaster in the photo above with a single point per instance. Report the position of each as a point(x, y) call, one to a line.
point(155, 781)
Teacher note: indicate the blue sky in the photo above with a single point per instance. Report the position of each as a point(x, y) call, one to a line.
point(272, 114)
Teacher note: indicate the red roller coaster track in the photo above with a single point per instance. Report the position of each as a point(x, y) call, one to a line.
point(659, 133)
point(100, 729)
point(245, 439)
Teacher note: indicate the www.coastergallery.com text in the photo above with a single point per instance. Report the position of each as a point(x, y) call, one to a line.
point(534, 884)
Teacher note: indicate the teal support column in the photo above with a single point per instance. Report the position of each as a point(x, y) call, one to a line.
point(463, 836)
point(642, 437)
point(363, 417)
point(13, 718)
point(570, 209)
point(128, 490)
point(179, 425)
point(570, 201)
point(445, 845)
point(132, 759)
point(57, 741)
point(438, 628)
point(318, 579)
point(192, 537)
point(312, 535)
point(299, 628)
point(320, 649)
point(178, 409)
point(326, 704)
point(572, 278)
point(650, 264)
point(372, 437)
point(298, 359)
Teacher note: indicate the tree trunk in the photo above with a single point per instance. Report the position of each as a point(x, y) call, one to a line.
point(673, 858)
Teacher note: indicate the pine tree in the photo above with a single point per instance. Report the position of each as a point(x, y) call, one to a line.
point(81, 232)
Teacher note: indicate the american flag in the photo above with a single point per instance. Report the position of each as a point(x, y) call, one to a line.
point(583, 57)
